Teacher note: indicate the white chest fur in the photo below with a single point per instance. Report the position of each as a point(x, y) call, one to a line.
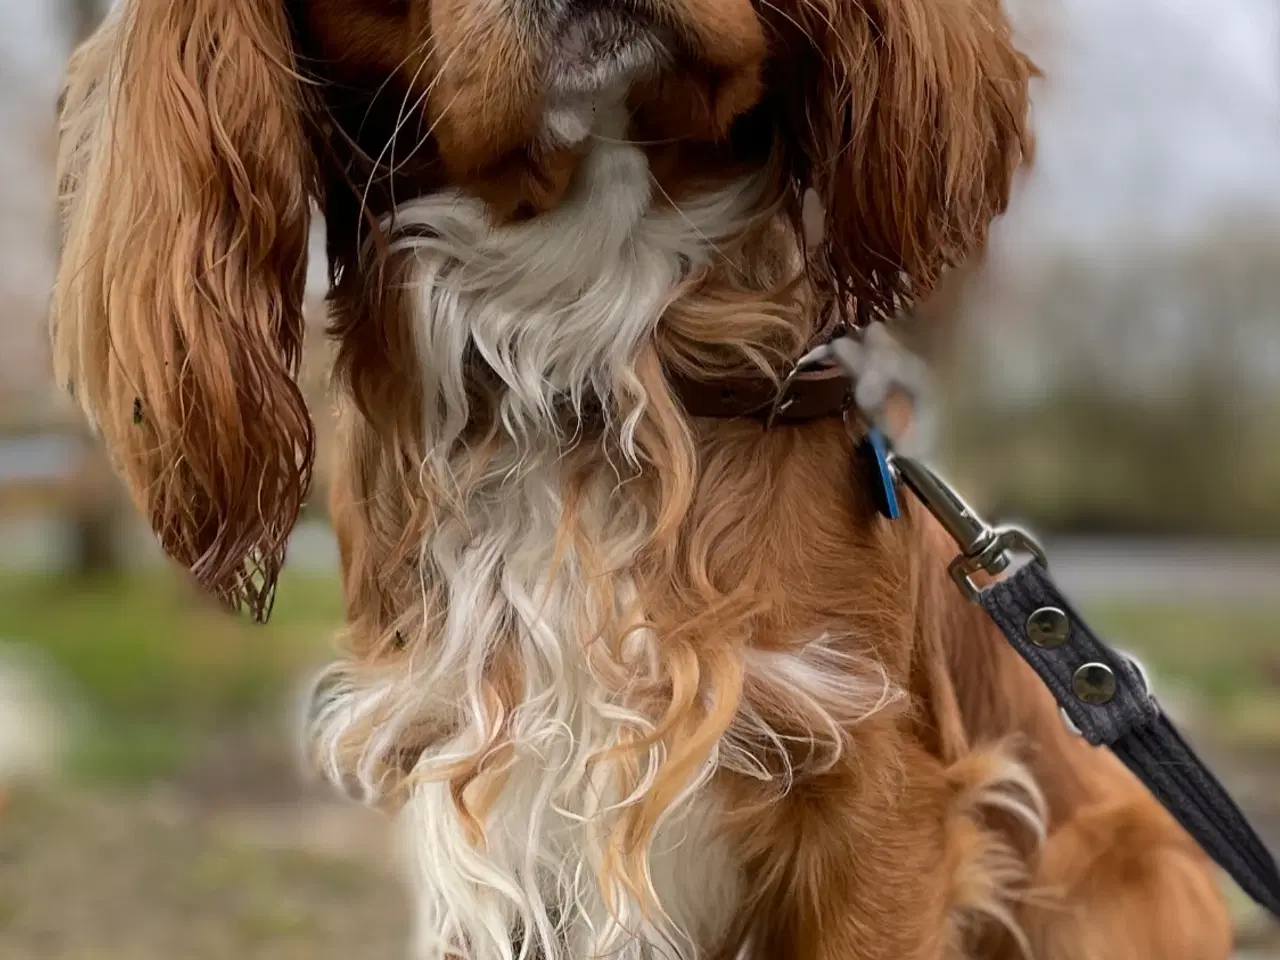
point(557, 309)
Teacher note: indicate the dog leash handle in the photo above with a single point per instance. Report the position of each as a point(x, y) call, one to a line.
point(1103, 694)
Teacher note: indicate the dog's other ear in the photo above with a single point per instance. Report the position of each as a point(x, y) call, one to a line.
point(908, 118)
point(177, 315)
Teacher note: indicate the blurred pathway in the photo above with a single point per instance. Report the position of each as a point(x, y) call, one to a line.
point(1167, 570)
point(1091, 570)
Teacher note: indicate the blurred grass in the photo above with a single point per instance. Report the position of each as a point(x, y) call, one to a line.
point(154, 667)
point(158, 672)
point(1227, 657)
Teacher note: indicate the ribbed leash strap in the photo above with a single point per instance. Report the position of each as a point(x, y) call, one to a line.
point(1105, 696)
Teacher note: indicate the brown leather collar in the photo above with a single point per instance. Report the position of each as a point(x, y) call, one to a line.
point(812, 395)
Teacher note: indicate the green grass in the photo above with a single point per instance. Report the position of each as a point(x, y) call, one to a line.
point(153, 666)
point(158, 671)
point(1228, 657)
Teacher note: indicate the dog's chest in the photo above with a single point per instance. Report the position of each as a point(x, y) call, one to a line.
point(532, 567)
point(517, 593)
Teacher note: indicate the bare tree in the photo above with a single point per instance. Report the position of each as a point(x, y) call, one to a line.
point(1149, 401)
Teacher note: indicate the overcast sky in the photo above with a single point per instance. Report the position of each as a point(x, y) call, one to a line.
point(1153, 115)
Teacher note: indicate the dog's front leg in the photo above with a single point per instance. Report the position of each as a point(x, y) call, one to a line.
point(1116, 878)
point(883, 858)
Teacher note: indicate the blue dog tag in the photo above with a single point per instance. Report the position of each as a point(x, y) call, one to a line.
point(883, 489)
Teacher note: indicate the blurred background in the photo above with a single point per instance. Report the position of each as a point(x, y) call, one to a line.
point(1111, 375)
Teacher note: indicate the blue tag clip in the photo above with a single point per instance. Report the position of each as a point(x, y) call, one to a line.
point(883, 487)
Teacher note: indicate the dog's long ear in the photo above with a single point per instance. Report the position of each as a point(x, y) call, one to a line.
point(177, 314)
point(909, 119)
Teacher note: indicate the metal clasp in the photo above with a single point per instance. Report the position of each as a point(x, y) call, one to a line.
point(982, 547)
point(875, 364)
point(814, 358)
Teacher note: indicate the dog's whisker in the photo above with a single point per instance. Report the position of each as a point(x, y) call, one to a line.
point(389, 147)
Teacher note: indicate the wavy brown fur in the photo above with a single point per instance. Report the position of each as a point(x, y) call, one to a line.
point(178, 307)
point(910, 126)
point(907, 749)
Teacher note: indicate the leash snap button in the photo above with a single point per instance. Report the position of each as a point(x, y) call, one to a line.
point(1094, 683)
point(1048, 627)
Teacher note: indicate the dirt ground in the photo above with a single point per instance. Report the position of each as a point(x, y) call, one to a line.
point(92, 876)
point(101, 876)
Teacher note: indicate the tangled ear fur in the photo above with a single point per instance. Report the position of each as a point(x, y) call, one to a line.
point(177, 315)
point(909, 119)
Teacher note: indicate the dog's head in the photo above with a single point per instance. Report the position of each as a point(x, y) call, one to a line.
point(199, 136)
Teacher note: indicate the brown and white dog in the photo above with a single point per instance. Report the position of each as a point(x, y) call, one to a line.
point(637, 683)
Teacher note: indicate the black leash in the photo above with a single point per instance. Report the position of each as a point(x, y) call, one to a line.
point(1106, 699)
point(1103, 694)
